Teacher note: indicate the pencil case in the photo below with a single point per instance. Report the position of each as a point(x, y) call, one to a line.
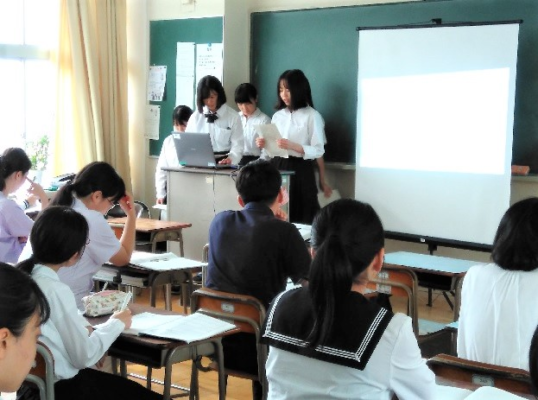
point(103, 303)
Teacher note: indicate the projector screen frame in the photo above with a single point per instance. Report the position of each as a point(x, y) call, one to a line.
point(435, 24)
point(433, 242)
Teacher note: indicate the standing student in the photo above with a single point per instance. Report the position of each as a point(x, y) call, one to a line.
point(498, 300)
point(222, 123)
point(327, 340)
point(246, 98)
point(59, 238)
point(93, 191)
point(14, 224)
point(302, 130)
point(23, 308)
point(168, 156)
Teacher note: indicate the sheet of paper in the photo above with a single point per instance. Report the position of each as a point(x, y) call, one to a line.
point(451, 393)
point(185, 85)
point(163, 261)
point(156, 82)
point(209, 60)
point(271, 134)
point(304, 230)
point(153, 117)
point(191, 328)
point(323, 201)
point(490, 393)
point(147, 320)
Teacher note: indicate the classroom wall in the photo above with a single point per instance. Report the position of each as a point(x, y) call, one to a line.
point(236, 45)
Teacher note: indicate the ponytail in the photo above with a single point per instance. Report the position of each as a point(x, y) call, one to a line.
point(27, 265)
point(330, 282)
point(64, 196)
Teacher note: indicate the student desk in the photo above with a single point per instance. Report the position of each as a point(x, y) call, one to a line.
point(435, 265)
point(159, 353)
point(158, 231)
point(197, 195)
point(139, 277)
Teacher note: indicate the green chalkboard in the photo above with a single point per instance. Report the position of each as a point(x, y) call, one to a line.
point(324, 44)
point(164, 36)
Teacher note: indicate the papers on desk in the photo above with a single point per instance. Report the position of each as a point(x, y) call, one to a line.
point(482, 393)
point(304, 230)
point(188, 329)
point(163, 261)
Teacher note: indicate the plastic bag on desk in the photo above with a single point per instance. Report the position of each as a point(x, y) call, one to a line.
point(103, 303)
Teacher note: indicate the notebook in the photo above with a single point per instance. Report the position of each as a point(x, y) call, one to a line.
point(195, 150)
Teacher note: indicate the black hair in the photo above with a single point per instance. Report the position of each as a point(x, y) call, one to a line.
point(245, 93)
point(258, 181)
point(13, 160)
point(206, 85)
point(58, 233)
point(533, 362)
point(181, 115)
point(346, 234)
point(515, 246)
point(93, 177)
point(297, 83)
point(20, 299)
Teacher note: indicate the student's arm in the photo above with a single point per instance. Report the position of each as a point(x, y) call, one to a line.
point(18, 224)
point(127, 240)
point(238, 144)
point(160, 175)
point(37, 190)
point(326, 189)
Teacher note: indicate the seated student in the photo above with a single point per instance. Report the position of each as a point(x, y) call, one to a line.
point(327, 340)
point(15, 225)
point(533, 361)
point(246, 98)
point(59, 238)
point(23, 308)
point(498, 300)
point(168, 156)
point(213, 116)
point(93, 191)
point(253, 252)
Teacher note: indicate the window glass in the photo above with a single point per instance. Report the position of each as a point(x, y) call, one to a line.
point(41, 22)
point(11, 21)
point(11, 103)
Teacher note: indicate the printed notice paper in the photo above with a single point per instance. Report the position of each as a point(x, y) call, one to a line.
point(271, 134)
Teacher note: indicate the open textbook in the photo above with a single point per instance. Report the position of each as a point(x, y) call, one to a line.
point(482, 393)
point(163, 261)
point(188, 329)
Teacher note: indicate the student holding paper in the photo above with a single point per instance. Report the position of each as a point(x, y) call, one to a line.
point(59, 238)
point(327, 340)
point(93, 191)
point(213, 116)
point(246, 98)
point(302, 130)
point(168, 156)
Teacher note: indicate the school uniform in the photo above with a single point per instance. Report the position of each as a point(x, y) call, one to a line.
point(225, 131)
point(251, 151)
point(306, 127)
point(14, 224)
point(167, 158)
point(75, 350)
point(498, 315)
point(102, 245)
point(369, 354)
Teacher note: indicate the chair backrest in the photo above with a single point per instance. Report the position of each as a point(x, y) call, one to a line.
point(399, 282)
point(205, 258)
point(247, 312)
point(482, 374)
point(42, 372)
point(142, 211)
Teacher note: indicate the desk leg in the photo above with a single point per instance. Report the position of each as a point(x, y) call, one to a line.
point(220, 363)
point(168, 296)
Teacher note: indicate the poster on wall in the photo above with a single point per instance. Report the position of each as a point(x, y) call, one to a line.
point(209, 60)
point(185, 74)
point(153, 116)
point(156, 82)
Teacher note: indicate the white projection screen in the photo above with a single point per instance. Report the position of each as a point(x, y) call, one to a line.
point(434, 128)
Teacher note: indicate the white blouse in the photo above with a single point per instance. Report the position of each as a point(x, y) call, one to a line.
point(226, 132)
point(395, 366)
point(65, 333)
point(304, 126)
point(167, 158)
point(498, 315)
point(249, 133)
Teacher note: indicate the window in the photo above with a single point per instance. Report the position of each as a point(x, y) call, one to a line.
point(28, 32)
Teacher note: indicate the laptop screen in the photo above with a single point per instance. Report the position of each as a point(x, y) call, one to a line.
point(195, 150)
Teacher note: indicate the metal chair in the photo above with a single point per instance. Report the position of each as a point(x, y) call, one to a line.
point(42, 373)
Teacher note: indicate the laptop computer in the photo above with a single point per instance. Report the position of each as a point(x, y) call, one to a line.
point(195, 150)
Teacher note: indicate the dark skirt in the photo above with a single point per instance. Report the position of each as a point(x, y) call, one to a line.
point(303, 189)
point(246, 159)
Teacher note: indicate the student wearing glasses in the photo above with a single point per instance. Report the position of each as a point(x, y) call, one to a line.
point(93, 191)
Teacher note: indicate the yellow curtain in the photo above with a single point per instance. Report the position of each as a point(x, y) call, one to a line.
point(92, 119)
